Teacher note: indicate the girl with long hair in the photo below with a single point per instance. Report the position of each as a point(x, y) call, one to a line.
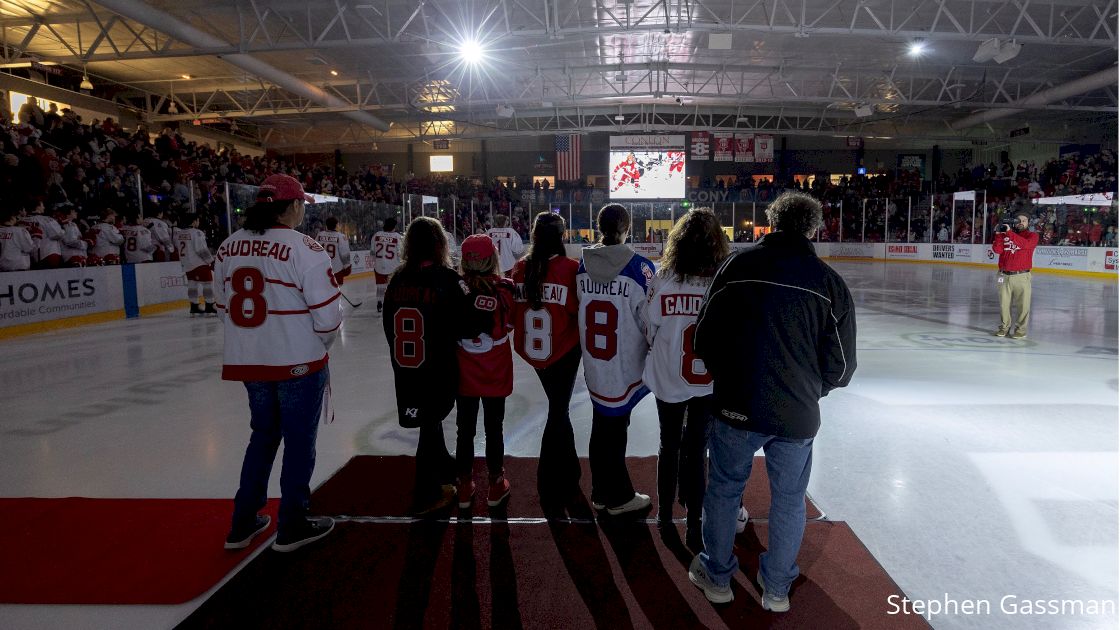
point(424, 318)
point(612, 282)
point(546, 335)
point(485, 369)
point(681, 384)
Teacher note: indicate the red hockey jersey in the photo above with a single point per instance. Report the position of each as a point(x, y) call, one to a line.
point(542, 336)
point(486, 362)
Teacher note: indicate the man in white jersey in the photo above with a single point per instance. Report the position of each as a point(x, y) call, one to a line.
point(48, 252)
point(73, 245)
point(16, 245)
point(138, 245)
point(195, 258)
point(280, 309)
point(337, 245)
point(386, 250)
point(161, 236)
point(507, 241)
point(107, 240)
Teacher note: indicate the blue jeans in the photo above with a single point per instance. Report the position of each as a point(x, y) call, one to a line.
point(788, 462)
point(287, 410)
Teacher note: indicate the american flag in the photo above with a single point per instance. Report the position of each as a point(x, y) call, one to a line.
point(567, 158)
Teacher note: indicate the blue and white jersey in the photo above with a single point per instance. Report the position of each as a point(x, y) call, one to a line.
point(612, 326)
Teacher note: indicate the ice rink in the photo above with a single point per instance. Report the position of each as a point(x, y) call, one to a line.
point(972, 467)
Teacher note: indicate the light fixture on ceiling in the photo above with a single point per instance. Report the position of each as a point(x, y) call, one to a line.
point(471, 52)
point(172, 108)
point(864, 110)
point(334, 73)
point(505, 111)
point(185, 76)
point(619, 117)
point(998, 51)
point(917, 49)
point(85, 85)
point(233, 126)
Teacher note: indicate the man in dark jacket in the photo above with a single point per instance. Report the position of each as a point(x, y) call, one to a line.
point(777, 331)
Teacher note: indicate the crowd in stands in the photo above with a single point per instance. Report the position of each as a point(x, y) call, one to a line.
point(80, 173)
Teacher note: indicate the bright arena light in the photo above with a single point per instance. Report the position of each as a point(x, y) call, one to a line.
point(917, 49)
point(471, 52)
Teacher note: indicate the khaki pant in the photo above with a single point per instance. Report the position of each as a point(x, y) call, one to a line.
point(1015, 291)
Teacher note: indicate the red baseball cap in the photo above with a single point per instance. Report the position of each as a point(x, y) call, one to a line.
point(478, 247)
point(282, 188)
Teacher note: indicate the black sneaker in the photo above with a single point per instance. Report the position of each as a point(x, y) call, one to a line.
point(379, 307)
point(195, 310)
point(210, 310)
point(314, 529)
point(240, 537)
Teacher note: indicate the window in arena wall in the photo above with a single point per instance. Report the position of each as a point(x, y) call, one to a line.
point(441, 163)
point(17, 99)
point(758, 179)
point(545, 178)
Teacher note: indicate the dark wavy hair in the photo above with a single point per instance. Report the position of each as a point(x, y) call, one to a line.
point(425, 242)
point(696, 246)
point(614, 223)
point(546, 241)
point(794, 212)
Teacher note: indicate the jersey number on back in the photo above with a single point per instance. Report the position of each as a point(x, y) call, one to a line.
point(601, 334)
point(331, 249)
point(690, 362)
point(182, 249)
point(247, 306)
point(408, 337)
point(388, 251)
point(538, 334)
point(130, 244)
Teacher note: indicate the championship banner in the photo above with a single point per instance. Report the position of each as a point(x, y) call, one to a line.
point(723, 148)
point(744, 147)
point(764, 148)
point(700, 145)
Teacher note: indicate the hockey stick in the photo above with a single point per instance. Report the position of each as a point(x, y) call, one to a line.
point(351, 303)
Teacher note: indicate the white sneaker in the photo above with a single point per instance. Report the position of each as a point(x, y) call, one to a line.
point(638, 502)
point(741, 522)
point(699, 578)
point(772, 602)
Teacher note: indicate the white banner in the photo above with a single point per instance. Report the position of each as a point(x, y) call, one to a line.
point(700, 146)
point(1091, 199)
point(909, 251)
point(764, 148)
point(157, 283)
point(1103, 259)
point(856, 250)
point(39, 296)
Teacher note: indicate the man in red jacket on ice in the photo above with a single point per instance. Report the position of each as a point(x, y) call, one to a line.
point(1015, 245)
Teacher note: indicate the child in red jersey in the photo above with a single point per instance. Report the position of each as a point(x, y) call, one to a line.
point(485, 368)
point(546, 323)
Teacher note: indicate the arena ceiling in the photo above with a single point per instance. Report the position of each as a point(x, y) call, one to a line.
point(325, 73)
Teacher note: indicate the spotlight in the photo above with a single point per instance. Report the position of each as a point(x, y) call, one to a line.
point(1008, 51)
point(185, 76)
point(471, 52)
point(917, 49)
point(505, 111)
point(172, 108)
point(85, 84)
point(334, 73)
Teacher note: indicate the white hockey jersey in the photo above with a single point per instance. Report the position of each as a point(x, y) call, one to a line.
point(386, 250)
point(279, 302)
point(161, 235)
point(509, 245)
point(192, 248)
point(337, 245)
point(107, 240)
point(50, 241)
point(611, 283)
point(138, 245)
point(73, 245)
point(16, 247)
point(673, 371)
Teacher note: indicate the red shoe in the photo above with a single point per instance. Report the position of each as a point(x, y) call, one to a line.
point(466, 493)
point(499, 491)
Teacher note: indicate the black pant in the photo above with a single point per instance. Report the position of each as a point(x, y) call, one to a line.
point(558, 468)
point(434, 465)
point(610, 480)
point(466, 418)
point(684, 438)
